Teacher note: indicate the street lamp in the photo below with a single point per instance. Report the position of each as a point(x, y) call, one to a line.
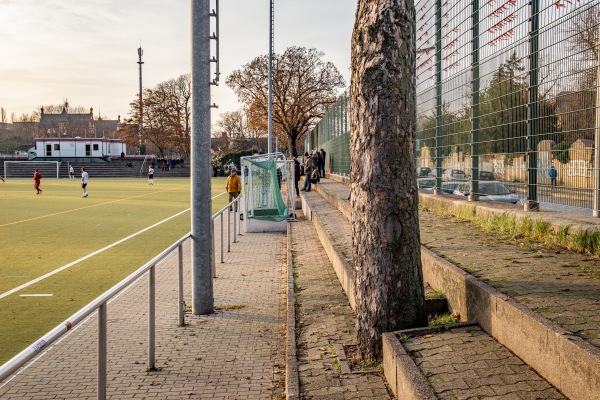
point(140, 53)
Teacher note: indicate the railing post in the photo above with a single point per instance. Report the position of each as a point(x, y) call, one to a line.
point(222, 217)
point(213, 266)
point(235, 219)
point(151, 317)
point(102, 350)
point(228, 231)
point(181, 303)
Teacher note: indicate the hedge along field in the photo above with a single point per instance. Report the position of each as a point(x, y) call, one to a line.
point(40, 233)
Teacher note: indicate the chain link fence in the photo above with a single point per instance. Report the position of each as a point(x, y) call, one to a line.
point(506, 91)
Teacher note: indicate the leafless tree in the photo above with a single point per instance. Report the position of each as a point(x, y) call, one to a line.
point(304, 86)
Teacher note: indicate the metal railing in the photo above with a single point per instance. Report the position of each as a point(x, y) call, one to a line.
point(100, 304)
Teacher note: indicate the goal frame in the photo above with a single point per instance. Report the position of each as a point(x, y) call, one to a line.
point(7, 163)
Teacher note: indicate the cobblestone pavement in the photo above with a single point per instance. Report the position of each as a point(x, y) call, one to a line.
point(235, 353)
point(558, 284)
point(466, 363)
point(324, 325)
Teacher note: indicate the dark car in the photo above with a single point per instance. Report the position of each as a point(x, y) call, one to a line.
point(426, 183)
point(424, 171)
point(486, 176)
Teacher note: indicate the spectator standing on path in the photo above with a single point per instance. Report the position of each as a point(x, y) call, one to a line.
point(308, 169)
point(71, 173)
point(296, 175)
point(233, 186)
point(321, 155)
point(150, 175)
point(553, 173)
point(37, 177)
point(279, 177)
point(84, 181)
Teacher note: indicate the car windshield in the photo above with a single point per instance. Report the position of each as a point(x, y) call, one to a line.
point(427, 182)
point(493, 189)
point(449, 185)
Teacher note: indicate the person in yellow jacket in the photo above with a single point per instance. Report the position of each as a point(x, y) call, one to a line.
point(233, 186)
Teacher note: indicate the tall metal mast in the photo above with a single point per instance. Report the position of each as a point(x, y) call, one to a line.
point(140, 53)
point(271, 13)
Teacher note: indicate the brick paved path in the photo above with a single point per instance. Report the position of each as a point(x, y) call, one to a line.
point(324, 324)
point(466, 363)
point(235, 353)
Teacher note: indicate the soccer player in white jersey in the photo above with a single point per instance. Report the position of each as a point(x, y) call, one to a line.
point(84, 181)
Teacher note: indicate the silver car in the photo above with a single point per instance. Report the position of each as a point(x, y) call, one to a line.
point(489, 190)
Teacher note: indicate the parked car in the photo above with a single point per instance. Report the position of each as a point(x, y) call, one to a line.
point(424, 171)
point(489, 190)
point(449, 187)
point(486, 176)
point(426, 183)
point(453, 174)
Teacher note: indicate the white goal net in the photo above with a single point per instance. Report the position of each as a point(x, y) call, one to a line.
point(25, 169)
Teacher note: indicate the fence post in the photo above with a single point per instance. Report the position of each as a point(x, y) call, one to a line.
point(438, 93)
point(151, 317)
point(532, 109)
point(228, 231)
point(102, 350)
point(181, 308)
point(596, 184)
point(475, 101)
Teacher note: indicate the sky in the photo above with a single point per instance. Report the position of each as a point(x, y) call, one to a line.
point(86, 51)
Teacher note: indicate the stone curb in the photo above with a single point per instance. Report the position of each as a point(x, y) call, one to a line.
point(292, 383)
point(399, 368)
point(566, 361)
point(556, 222)
point(342, 267)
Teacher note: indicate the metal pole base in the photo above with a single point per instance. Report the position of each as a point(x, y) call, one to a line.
point(531, 205)
point(473, 197)
point(437, 191)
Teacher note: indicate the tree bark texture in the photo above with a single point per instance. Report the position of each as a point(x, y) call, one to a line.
point(384, 197)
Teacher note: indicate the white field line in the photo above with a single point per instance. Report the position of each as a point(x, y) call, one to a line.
point(69, 265)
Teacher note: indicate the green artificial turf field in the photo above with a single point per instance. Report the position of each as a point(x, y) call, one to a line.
point(41, 233)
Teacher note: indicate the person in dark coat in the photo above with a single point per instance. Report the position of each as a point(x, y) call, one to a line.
point(296, 175)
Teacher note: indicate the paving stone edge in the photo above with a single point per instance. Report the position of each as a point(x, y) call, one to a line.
point(292, 383)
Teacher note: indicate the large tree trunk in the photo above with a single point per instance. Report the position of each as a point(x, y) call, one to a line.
point(384, 198)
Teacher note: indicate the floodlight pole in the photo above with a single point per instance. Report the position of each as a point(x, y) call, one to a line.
point(140, 53)
point(202, 231)
point(271, 15)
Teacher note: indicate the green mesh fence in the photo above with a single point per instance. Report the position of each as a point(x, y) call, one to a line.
point(332, 134)
point(264, 195)
point(507, 91)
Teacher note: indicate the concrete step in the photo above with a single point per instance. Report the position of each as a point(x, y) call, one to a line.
point(556, 354)
point(459, 361)
point(323, 326)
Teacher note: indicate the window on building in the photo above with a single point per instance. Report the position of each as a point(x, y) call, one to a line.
point(56, 146)
point(96, 147)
